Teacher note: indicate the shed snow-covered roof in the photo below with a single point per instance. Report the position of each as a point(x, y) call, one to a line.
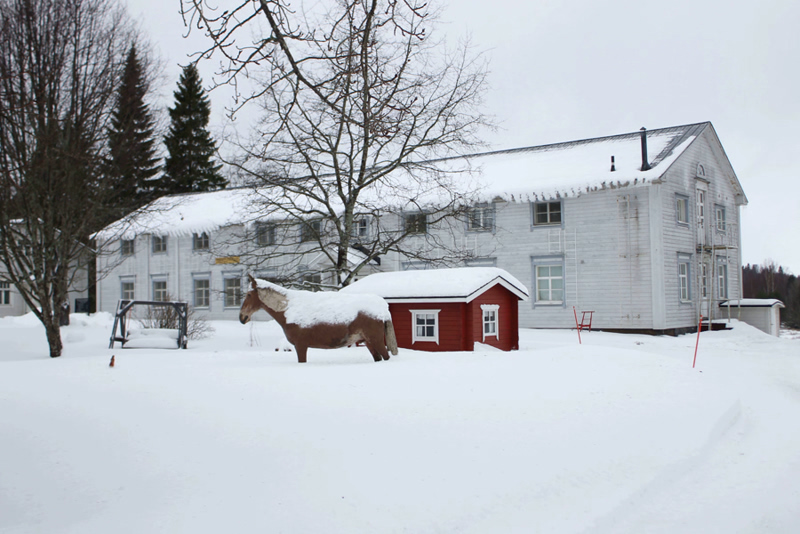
point(752, 303)
point(519, 175)
point(460, 284)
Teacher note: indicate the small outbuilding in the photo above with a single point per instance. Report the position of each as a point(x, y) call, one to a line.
point(764, 314)
point(450, 309)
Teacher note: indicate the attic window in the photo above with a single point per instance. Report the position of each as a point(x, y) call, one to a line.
point(545, 213)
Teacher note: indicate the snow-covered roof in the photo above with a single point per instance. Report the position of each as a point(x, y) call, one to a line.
point(753, 303)
point(577, 167)
point(518, 175)
point(461, 284)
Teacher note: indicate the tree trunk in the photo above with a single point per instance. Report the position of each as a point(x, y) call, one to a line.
point(53, 332)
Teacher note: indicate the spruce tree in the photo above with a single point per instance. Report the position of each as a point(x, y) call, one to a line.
point(189, 166)
point(131, 139)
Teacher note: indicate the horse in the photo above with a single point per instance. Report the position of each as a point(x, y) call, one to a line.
point(323, 320)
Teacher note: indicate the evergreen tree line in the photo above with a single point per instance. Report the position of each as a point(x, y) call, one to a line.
point(772, 281)
point(134, 172)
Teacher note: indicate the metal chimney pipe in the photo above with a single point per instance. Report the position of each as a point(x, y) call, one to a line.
point(613, 167)
point(645, 164)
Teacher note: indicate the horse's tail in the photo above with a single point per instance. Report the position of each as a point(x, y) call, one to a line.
point(391, 338)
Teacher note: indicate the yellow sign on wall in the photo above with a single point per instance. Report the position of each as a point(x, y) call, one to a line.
point(227, 260)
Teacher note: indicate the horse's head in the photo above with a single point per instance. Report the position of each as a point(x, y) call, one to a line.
point(261, 297)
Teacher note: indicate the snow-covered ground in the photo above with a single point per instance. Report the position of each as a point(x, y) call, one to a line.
point(617, 435)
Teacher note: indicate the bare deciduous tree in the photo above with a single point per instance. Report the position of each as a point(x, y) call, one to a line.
point(360, 109)
point(58, 65)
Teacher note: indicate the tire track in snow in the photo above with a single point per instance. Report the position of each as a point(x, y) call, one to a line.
point(730, 421)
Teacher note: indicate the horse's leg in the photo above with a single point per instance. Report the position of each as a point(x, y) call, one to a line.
point(302, 350)
point(375, 355)
point(377, 350)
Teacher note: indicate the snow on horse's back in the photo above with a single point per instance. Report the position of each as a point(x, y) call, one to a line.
point(324, 320)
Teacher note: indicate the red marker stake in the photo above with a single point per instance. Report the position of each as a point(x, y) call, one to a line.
point(699, 326)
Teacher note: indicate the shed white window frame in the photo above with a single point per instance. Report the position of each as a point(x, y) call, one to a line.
point(544, 213)
point(127, 247)
point(5, 293)
point(684, 278)
point(428, 330)
point(129, 292)
point(200, 241)
point(204, 301)
point(159, 244)
point(490, 314)
point(159, 289)
point(682, 209)
point(232, 289)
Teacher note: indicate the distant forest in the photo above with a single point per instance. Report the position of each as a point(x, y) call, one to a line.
point(772, 281)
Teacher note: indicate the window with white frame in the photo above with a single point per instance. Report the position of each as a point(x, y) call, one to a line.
point(232, 288)
point(719, 217)
point(126, 247)
point(549, 283)
point(490, 320)
point(425, 325)
point(200, 241)
point(265, 234)
point(159, 244)
point(202, 292)
point(416, 223)
point(127, 289)
point(360, 228)
point(683, 279)
point(480, 219)
point(160, 290)
point(722, 278)
point(682, 209)
point(546, 213)
point(310, 230)
point(5, 293)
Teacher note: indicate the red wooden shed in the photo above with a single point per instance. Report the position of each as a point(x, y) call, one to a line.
point(450, 309)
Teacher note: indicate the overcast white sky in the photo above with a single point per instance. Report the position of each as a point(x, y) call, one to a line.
point(573, 69)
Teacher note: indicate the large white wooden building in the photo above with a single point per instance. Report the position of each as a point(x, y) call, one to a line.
point(640, 228)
